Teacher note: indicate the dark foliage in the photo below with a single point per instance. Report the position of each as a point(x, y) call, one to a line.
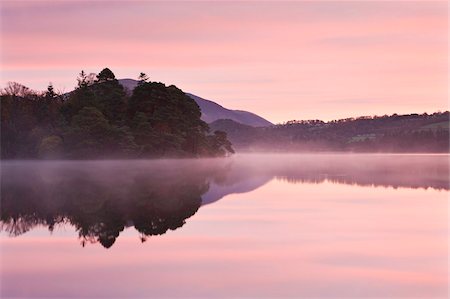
point(395, 133)
point(99, 120)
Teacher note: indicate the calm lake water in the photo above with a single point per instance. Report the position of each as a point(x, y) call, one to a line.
point(248, 226)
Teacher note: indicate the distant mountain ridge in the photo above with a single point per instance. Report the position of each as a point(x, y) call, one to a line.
point(211, 111)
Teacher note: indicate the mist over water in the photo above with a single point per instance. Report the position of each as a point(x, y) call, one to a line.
point(347, 221)
point(54, 192)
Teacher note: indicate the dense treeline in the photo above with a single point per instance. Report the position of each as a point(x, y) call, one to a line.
point(100, 120)
point(394, 133)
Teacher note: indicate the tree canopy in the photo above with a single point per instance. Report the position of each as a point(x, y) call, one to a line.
point(106, 75)
point(100, 120)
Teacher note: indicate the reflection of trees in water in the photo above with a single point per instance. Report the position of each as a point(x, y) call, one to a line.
point(101, 203)
point(349, 180)
point(396, 171)
point(407, 171)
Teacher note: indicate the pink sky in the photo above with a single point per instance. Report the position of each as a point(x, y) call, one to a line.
point(281, 60)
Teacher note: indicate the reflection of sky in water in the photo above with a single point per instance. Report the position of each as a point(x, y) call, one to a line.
point(279, 239)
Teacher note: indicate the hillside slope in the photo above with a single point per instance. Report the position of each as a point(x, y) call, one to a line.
point(212, 111)
point(395, 133)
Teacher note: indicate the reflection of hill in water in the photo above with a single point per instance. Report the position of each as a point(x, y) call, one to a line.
point(218, 190)
point(101, 198)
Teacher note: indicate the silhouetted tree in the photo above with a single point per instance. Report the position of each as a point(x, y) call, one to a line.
point(106, 75)
point(82, 80)
point(143, 78)
point(16, 90)
point(50, 94)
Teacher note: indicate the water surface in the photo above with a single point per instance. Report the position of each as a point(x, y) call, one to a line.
point(249, 226)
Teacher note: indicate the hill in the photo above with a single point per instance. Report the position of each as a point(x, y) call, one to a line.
point(212, 111)
point(394, 133)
